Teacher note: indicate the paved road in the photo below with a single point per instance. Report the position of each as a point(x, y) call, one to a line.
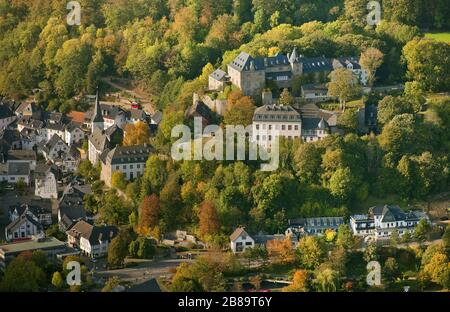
point(144, 271)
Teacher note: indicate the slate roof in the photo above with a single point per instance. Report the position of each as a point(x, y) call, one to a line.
point(22, 155)
point(219, 75)
point(34, 209)
point(72, 206)
point(99, 139)
point(30, 122)
point(392, 213)
point(71, 126)
point(20, 169)
point(5, 111)
point(316, 64)
point(320, 222)
point(57, 127)
point(314, 87)
point(237, 233)
point(149, 286)
point(281, 113)
point(129, 154)
point(199, 109)
point(97, 116)
point(94, 234)
point(47, 147)
point(16, 223)
point(314, 124)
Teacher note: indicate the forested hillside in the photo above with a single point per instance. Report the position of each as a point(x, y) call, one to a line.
point(169, 47)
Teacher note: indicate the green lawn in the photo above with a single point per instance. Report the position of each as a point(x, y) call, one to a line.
point(444, 36)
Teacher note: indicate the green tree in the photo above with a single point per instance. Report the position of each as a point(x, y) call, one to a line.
point(326, 279)
point(370, 60)
point(390, 106)
point(343, 85)
point(57, 280)
point(422, 230)
point(310, 252)
point(345, 237)
point(22, 275)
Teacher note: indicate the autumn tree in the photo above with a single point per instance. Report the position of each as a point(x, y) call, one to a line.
point(118, 180)
point(343, 85)
point(370, 60)
point(208, 219)
point(310, 252)
point(286, 98)
point(239, 111)
point(136, 134)
point(281, 251)
point(149, 213)
point(300, 282)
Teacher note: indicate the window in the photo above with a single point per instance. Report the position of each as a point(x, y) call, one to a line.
point(124, 167)
point(131, 167)
point(296, 128)
point(138, 166)
point(257, 138)
point(270, 138)
point(283, 127)
point(289, 127)
point(270, 127)
point(257, 127)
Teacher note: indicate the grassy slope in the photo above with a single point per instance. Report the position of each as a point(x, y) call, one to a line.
point(444, 37)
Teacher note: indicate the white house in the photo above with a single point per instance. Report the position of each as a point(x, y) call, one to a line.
point(13, 172)
point(352, 63)
point(73, 133)
point(23, 228)
point(55, 148)
point(45, 182)
point(240, 240)
point(381, 221)
point(92, 240)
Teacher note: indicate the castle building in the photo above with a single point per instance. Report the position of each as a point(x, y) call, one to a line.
point(252, 75)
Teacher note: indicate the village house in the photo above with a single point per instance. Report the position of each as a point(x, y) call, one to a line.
point(315, 93)
point(13, 172)
point(313, 226)
point(6, 116)
point(73, 133)
point(218, 80)
point(40, 211)
point(129, 160)
point(23, 156)
point(92, 240)
point(352, 64)
point(23, 228)
point(70, 210)
point(240, 240)
point(54, 149)
point(381, 221)
point(46, 181)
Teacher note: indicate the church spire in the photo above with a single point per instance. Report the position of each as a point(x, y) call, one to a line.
point(97, 117)
point(294, 56)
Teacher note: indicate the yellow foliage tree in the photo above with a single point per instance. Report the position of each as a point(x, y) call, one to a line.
point(281, 251)
point(136, 134)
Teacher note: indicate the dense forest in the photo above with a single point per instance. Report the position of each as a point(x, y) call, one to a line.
point(169, 47)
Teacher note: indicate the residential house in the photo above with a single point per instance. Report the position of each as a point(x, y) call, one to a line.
point(313, 226)
point(130, 160)
point(40, 211)
point(6, 116)
point(54, 149)
point(23, 228)
point(71, 160)
point(381, 221)
point(315, 93)
point(46, 181)
point(28, 109)
point(135, 115)
point(13, 172)
point(241, 240)
point(23, 156)
point(52, 129)
point(70, 205)
point(73, 133)
point(10, 139)
point(92, 240)
point(352, 64)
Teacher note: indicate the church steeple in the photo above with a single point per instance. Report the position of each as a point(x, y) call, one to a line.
point(97, 117)
point(293, 57)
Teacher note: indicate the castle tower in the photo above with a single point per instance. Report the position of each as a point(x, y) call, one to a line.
point(97, 118)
